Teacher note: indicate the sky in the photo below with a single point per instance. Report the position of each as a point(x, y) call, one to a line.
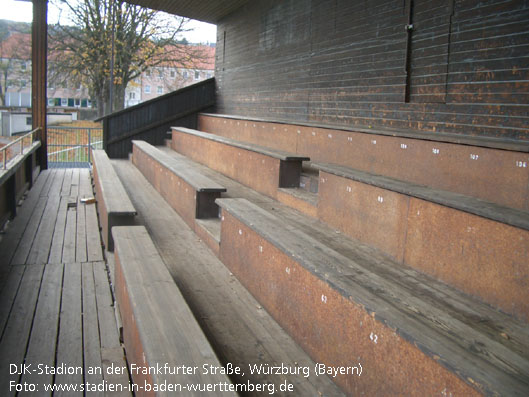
point(21, 11)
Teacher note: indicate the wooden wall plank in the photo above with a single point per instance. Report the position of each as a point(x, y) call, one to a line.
point(342, 63)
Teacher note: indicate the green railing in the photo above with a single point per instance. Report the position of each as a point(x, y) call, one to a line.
point(71, 146)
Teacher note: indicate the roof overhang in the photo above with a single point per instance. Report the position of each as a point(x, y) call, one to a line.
point(211, 11)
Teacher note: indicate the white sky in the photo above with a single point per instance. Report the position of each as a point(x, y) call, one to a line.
point(22, 11)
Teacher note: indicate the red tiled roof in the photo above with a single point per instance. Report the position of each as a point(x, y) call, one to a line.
point(16, 46)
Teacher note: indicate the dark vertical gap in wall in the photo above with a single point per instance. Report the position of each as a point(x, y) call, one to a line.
point(223, 49)
point(409, 32)
point(450, 17)
point(335, 15)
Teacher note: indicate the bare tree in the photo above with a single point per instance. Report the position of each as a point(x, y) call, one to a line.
point(143, 38)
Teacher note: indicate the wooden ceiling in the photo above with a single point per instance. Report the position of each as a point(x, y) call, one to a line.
point(211, 11)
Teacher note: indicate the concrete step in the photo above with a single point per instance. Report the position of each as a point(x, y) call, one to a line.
point(350, 316)
point(240, 331)
point(441, 305)
point(488, 169)
point(479, 247)
point(309, 180)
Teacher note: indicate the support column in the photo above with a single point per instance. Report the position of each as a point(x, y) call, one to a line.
point(39, 52)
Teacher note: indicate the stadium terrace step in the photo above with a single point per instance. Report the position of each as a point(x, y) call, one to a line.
point(260, 168)
point(236, 325)
point(309, 179)
point(159, 329)
point(113, 203)
point(300, 199)
point(347, 314)
point(486, 168)
point(476, 246)
point(209, 231)
point(191, 194)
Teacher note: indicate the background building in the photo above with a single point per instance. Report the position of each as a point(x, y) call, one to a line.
point(74, 99)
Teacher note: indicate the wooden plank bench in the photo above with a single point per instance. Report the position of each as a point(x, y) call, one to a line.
point(191, 194)
point(113, 203)
point(159, 329)
point(479, 247)
point(263, 169)
point(424, 336)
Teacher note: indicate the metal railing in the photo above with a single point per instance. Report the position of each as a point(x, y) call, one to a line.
point(71, 146)
point(16, 147)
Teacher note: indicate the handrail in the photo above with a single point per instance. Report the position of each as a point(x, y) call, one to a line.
point(13, 143)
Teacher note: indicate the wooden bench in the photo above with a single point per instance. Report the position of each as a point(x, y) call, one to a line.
point(424, 336)
point(159, 329)
point(479, 247)
point(263, 169)
point(113, 203)
point(191, 194)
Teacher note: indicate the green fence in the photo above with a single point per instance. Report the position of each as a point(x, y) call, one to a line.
point(69, 147)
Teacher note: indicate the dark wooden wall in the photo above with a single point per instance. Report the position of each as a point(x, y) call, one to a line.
point(464, 68)
point(152, 120)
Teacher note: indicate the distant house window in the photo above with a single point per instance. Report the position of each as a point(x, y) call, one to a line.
point(197, 74)
point(77, 102)
point(208, 75)
point(173, 74)
point(185, 74)
point(132, 95)
point(64, 101)
point(160, 73)
point(23, 83)
point(160, 90)
point(23, 66)
point(51, 101)
point(29, 120)
point(147, 89)
point(10, 83)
